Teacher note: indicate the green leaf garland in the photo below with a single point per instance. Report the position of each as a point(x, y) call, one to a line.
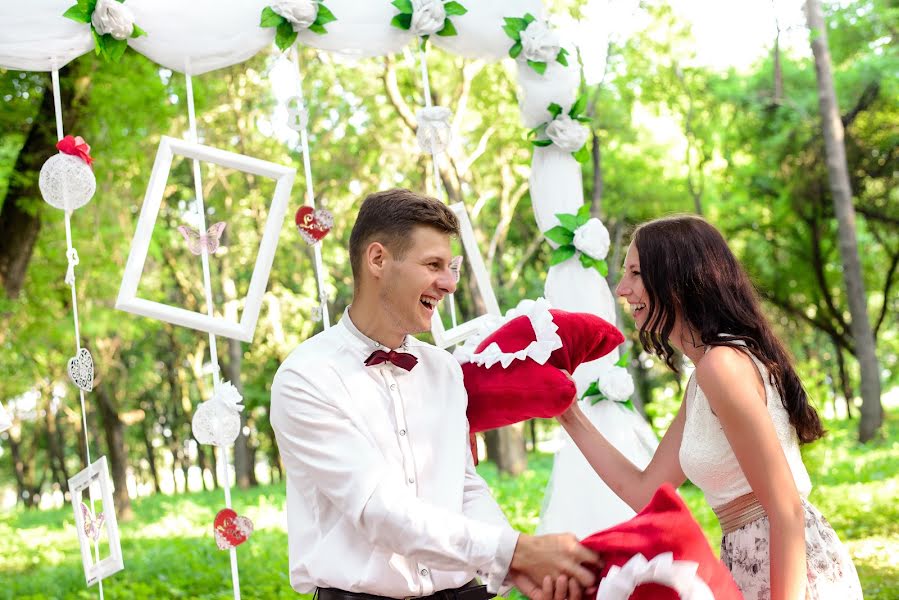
point(105, 45)
point(285, 35)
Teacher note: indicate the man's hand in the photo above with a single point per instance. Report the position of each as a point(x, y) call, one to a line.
point(552, 556)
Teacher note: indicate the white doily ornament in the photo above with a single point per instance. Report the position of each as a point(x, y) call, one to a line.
point(679, 575)
point(433, 132)
point(67, 181)
point(546, 338)
point(217, 420)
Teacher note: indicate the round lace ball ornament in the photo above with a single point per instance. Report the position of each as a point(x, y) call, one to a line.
point(67, 182)
point(216, 423)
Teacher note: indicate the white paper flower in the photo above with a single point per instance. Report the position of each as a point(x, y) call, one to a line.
point(568, 134)
point(113, 18)
point(539, 43)
point(433, 132)
point(616, 384)
point(300, 13)
point(427, 17)
point(592, 239)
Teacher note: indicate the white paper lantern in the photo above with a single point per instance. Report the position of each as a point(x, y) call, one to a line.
point(67, 182)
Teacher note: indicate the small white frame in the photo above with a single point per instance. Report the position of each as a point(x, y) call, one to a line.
point(102, 568)
point(230, 328)
point(474, 262)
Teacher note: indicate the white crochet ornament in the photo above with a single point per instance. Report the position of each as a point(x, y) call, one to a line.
point(433, 132)
point(67, 182)
point(217, 420)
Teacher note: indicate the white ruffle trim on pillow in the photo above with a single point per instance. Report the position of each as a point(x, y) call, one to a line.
point(679, 575)
point(546, 340)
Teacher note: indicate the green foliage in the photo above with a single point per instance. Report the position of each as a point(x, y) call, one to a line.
point(169, 550)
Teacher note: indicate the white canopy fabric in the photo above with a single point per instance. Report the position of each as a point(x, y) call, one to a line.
point(37, 37)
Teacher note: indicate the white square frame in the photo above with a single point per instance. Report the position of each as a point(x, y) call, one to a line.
point(129, 301)
point(475, 263)
point(95, 571)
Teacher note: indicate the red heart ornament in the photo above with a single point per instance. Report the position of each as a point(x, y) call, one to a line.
point(313, 224)
point(231, 530)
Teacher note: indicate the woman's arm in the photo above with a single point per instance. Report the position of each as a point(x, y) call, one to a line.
point(736, 394)
point(630, 483)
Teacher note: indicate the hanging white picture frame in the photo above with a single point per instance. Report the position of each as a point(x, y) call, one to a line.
point(474, 264)
point(95, 567)
point(243, 329)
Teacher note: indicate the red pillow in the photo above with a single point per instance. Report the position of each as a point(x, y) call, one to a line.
point(665, 544)
point(526, 389)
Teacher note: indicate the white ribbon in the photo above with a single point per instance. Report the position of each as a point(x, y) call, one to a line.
point(72, 256)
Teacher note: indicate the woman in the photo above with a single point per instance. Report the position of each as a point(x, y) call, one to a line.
point(745, 412)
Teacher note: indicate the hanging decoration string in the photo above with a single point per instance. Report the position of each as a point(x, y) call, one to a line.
point(207, 287)
point(72, 259)
point(310, 194)
point(426, 83)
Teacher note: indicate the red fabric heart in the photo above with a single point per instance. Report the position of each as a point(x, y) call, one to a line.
point(231, 530)
point(526, 389)
point(313, 224)
point(664, 525)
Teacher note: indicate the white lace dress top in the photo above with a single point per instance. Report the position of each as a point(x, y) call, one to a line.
point(707, 459)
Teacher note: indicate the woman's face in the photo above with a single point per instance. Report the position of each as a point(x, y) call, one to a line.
point(631, 286)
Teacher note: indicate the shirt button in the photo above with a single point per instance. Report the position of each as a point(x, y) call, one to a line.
point(393, 386)
point(411, 480)
point(402, 432)
point(424, 572)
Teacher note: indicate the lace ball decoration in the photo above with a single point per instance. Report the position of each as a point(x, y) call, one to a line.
point(217, 421)
point(67, 182)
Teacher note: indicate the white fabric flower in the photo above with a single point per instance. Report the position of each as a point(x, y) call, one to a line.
point(539, 43)
point(113, 18)
point(568, 134)
point(616, 384)
point(427, 17)
point(300, 13)
point(228, 395)
point(592, 239)
point(680, 575)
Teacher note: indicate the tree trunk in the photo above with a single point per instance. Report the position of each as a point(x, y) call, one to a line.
point(838, 174)
point(242, 468)
point(505, 447)
point(55, 446)
point(151, 456)
point(845, 383)
point(114, 431)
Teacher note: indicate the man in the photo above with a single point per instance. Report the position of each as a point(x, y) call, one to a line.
point(382, 495)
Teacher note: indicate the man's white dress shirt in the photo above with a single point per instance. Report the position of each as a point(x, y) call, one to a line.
point(382, 494)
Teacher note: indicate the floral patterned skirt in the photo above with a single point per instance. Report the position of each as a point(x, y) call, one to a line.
point(831, 573)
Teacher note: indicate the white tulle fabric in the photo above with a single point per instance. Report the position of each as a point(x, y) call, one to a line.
point(203, 35)
point(200, 35)
point(66, 182)
point(576, 499)
point(36, 37)
point(679, 575)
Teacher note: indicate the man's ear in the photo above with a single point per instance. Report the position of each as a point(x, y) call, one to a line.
point(376, 255)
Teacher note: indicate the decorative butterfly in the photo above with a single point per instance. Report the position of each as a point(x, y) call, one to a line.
point(456, 267)
point(197, 241)
point(93, 526)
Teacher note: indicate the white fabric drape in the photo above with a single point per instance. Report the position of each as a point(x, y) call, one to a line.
point(36, 37)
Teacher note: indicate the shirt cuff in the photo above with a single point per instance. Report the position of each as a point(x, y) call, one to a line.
point(495, 573)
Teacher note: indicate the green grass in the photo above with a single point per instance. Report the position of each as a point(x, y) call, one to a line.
point(169, 551)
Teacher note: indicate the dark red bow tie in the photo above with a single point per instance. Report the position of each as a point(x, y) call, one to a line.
point(403, 360)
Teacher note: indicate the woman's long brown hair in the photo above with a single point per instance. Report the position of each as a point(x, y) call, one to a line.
point(687, 267)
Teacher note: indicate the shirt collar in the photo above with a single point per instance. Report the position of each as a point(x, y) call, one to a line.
point(370, 344)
